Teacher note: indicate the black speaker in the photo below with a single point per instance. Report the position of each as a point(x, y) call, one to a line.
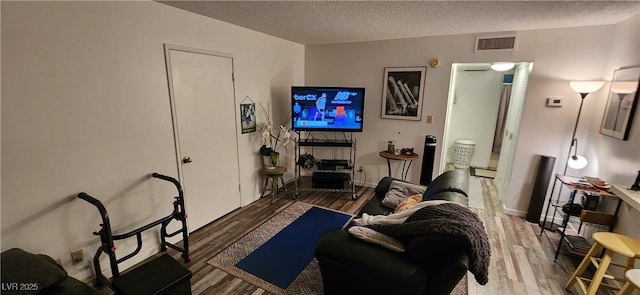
point(428, 156)
point(330, 180)
point(540, 186)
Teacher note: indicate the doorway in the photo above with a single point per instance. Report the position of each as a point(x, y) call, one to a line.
point(486, 106)
point(203, 106)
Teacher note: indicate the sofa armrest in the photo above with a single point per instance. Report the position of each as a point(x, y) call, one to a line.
point(19, 266)
point(353, 266)
point(445, 257)
point(455, 197)
point(341, 245)
point(70, 285)
point(450, 274)
point(450, 181)
point(47, 277)
point(383, 187)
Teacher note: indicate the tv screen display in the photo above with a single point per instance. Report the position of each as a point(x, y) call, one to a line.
point(327, 108)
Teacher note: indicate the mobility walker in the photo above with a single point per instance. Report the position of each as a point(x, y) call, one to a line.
point(161, 275)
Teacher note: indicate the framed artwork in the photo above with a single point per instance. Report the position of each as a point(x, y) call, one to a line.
point(622, 103)
point(248, 117)
point(403, 93)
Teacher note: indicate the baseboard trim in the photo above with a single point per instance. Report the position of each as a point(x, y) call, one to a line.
point(513, 212)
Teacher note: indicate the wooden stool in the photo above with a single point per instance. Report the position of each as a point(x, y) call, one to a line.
point(633, 282)
point(613, 244)
point(272, 173)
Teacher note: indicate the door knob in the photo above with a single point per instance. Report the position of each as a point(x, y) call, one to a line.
point(187, 159)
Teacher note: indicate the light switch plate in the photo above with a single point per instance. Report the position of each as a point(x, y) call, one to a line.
point(554, 102)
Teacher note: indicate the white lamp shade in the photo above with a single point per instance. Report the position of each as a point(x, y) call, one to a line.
point(577, 162)
point(586, 86)
point(624, 87)
point(502, 66)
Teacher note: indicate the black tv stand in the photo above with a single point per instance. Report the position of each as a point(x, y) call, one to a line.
point(326, 167)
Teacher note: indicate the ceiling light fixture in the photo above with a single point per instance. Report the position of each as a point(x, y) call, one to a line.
point(502, 66)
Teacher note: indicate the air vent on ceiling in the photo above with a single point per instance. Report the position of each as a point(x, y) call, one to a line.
point(491, 43)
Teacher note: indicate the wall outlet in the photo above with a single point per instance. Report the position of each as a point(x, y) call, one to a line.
point(77, 256)
point(361, 168)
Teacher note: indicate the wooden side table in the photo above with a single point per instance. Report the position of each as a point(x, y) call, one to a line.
point(401, 157)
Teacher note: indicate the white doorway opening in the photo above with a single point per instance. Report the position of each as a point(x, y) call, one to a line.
point(486, 106)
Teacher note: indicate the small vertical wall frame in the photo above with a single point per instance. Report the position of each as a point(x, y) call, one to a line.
point(403, 93)
point(622, 103)
point(248, 115)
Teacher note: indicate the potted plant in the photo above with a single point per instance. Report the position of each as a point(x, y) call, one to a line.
point(273, 155)
point(271, 138)
point(306, 161)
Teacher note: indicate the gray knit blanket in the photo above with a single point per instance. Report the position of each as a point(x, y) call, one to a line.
point(450, 219)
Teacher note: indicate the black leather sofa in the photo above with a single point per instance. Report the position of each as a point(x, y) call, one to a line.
point(27, 273)
point(432, 264)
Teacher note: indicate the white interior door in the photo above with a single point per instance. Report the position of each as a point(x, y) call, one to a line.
point(203, 106)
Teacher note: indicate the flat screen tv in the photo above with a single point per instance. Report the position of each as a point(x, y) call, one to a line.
point(338, 109)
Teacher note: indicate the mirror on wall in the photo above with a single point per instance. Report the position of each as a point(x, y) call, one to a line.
point(622, 102)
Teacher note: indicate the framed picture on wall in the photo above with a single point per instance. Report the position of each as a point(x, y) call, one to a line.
point(622, 103)
point(248, 117)
point(403, 93)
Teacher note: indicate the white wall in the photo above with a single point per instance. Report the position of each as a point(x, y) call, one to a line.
point(362, 64)
point(474, 113)
point(559, 56)
point(85, 107)
point(613, 159)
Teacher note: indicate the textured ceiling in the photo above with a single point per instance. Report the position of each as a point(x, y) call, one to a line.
point(322, 22)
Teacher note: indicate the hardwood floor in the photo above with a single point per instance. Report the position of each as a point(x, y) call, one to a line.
point(215, 237)
point(521, 259)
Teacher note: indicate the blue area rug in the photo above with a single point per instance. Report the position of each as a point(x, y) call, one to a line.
point(283, 257)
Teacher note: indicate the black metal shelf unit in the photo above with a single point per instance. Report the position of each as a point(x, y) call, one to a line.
point(335, 169)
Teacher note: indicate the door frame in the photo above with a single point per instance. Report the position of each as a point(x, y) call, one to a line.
point(503, 163)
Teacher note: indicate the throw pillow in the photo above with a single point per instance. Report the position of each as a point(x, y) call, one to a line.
point(399, 191)
point(408, 203)
point(374, 237)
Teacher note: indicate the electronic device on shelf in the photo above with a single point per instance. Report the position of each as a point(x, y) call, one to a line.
point(329, 180)
point(332, 164)
point(326, 142)
point(327, 108)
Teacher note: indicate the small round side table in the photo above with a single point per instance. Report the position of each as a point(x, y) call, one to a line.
point(400, 157)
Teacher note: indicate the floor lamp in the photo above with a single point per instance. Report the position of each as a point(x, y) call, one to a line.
point(584, 88)
point(574, 161)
